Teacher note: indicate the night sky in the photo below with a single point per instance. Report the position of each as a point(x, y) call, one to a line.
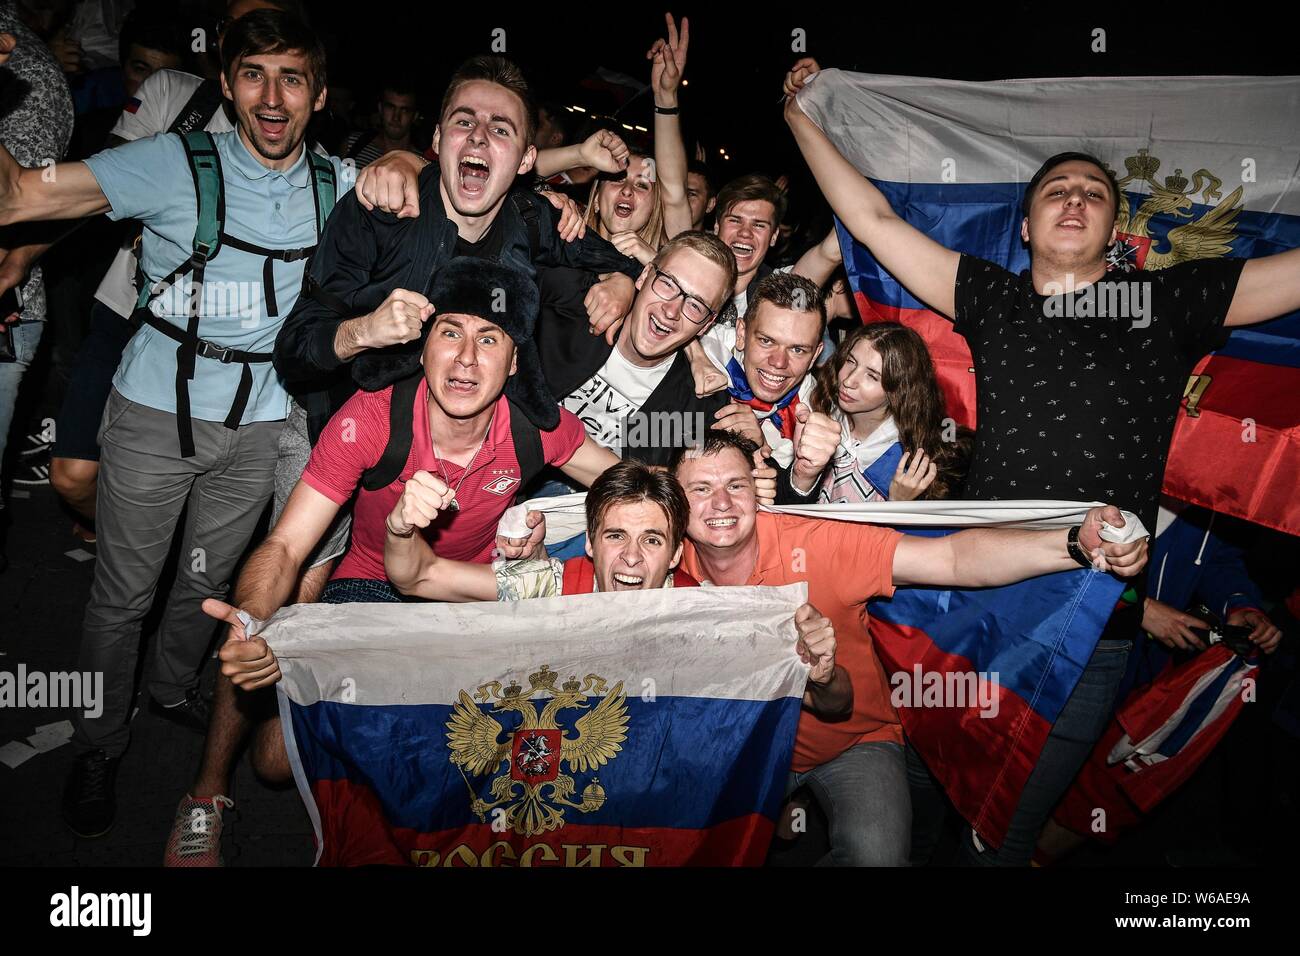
point(740, 51)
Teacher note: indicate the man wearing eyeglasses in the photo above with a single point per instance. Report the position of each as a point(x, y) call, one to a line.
point(637, 397)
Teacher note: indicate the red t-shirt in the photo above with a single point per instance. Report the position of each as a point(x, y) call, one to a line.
point(580, 577)
point(844, 564)
point(354, 440)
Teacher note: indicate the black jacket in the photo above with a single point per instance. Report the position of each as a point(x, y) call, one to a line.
point(363, 256)
point(571, 355)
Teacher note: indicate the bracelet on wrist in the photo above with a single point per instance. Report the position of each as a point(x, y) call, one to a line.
point(399, 534)
point(667, 110)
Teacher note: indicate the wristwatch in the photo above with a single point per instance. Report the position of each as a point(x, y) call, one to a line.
point(1075, 550)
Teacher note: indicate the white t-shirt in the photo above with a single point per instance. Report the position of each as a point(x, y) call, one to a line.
point(160, 98)
point(606, 400)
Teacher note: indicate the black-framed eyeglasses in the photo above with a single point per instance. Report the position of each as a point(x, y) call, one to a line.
point(668, 289)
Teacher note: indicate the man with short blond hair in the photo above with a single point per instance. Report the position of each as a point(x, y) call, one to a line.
point(637, 396)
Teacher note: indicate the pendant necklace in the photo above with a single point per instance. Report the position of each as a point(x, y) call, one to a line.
point(455, 501)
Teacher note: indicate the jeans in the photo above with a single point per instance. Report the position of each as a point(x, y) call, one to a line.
point(27, 336)
point(144, 485)
point(1078, 727)
point(864, 794)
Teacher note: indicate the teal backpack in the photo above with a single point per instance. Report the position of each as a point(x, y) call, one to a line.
point(210, 237)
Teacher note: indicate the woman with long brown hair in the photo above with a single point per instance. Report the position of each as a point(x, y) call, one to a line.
point(896, 443)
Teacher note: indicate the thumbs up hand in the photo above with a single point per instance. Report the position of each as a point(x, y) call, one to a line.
point(816, 436)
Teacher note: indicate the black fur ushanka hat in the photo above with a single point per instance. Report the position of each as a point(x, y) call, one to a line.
point(491, 291)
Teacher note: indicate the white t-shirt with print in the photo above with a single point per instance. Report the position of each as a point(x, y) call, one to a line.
point(617, 391)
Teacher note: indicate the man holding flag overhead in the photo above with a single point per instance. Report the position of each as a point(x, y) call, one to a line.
point(1079, 376)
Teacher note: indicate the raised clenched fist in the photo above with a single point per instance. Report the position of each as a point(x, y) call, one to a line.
point(398, 319)
point(424, 497)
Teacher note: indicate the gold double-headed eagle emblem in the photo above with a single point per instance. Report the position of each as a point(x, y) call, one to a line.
point(1206, 237)
point(529, 787)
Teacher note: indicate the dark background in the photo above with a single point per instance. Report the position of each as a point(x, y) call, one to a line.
point(1239, 808)
point(739, 52)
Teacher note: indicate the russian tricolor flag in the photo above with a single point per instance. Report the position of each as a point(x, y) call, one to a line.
point(650, 728)
point(1160, 735)
point(1207, 168)
point(1029, 642)
point(1013, 654)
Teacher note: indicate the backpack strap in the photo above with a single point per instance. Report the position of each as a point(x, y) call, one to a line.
point(198, 109)
point(314, 291)
point(524, 206)
point(195, 114)
point(209, 238)
point(324, 187)
point(209, 190)
point(528, 449)
point(210, 199)
point(401, 418)
point(210, 205)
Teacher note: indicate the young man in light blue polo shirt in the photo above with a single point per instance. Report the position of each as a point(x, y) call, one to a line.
point(196, 408)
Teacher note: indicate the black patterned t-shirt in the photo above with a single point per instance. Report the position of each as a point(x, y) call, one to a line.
point(1077, 393)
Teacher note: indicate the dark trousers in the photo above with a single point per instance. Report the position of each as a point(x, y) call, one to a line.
point(144, 485)
point(1077, 729)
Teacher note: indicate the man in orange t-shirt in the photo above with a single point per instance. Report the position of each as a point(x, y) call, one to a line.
point(854, 764)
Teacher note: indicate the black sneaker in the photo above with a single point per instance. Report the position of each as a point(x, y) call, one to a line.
point(89, 801)
point(191, 713)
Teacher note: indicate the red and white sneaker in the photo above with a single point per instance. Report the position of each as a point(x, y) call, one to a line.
point(196, 832)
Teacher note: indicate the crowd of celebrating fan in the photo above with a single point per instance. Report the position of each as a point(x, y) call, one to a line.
point(439, 329)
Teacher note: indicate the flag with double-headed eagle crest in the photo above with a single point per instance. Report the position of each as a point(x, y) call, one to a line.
point(1206, 167)
point(647, 728)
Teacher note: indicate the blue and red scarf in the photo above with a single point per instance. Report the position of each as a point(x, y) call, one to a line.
point(780, 412)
